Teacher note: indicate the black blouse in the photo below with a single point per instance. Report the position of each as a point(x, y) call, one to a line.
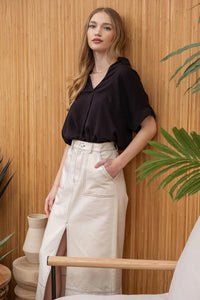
point(111, 111)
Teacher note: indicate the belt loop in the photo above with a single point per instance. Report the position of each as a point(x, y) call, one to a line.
point(72, 144)
point(92, 146)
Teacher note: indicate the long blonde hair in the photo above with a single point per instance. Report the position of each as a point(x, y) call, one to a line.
point(86, 59)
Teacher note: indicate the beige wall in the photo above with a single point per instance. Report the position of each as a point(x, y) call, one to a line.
point(39, 42)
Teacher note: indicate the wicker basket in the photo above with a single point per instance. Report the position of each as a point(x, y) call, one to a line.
point(4, 293)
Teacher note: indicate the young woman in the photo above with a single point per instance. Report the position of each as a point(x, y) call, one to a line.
point(87, 203)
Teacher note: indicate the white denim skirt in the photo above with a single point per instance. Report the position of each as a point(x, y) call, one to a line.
point(91, 206)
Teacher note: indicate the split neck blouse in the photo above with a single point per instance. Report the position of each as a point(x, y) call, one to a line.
point(111, 111)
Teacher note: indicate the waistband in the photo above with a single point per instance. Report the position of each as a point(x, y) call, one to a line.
point(87, 146)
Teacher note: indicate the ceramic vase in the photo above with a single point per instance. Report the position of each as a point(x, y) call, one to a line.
point(32, 244)
point(25, 274)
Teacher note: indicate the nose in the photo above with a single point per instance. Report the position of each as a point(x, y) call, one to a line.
point(98, 31)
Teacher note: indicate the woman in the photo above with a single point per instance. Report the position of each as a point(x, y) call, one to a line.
point(87, 203)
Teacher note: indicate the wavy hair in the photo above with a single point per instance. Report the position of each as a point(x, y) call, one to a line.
point(86, 58)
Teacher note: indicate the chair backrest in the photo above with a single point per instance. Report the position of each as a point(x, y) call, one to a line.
point(185, 284)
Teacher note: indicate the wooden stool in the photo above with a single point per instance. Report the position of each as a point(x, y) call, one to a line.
point(5, 276)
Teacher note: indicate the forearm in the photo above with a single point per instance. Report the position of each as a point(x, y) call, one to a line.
point(146, 133)
point(58, 176)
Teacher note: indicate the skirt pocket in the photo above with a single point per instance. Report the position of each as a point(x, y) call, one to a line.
point(98, 182)
point(111, 155)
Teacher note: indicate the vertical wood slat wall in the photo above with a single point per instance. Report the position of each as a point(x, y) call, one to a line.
point(39, 43)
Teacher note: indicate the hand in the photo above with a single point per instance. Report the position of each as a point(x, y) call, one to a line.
point(50, 200)
point(110, 165)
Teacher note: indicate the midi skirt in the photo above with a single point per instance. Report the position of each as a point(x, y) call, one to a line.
point(91, 206)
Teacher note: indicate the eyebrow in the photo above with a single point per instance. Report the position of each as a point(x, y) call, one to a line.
point(102, 24)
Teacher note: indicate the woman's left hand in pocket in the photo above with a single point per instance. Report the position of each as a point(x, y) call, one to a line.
point(110, 165)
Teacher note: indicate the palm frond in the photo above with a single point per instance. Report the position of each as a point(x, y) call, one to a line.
point(164, 170)
point(5, 186)
point(196, 89)
point(181, 180)
point(186, 142)
point(4, 256)
point(193, 86)
point(195, 66)
point(182, 161)
point(196, 138)
point(3, 173)
point(178, 172)
point(155, 165)
point(6, 239)
point(2, 243)
point(188, 187)
point(186, 62)
point(174, 143)
point(179, 51)
point(164, 148)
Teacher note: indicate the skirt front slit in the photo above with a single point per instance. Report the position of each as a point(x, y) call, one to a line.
point(91, 206)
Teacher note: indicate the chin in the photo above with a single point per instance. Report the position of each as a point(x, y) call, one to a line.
point(99, 49)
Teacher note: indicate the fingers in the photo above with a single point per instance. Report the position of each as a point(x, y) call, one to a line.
point(106, 162)
point(48, 206)
point(47, 210)
point(100, 163)
point(109, 165)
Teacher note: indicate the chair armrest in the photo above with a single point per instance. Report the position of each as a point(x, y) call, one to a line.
point(114, 263)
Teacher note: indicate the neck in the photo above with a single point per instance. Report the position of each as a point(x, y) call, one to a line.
point(102, 61)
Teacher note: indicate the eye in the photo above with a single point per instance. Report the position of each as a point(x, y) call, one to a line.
point(91, 26)
point(107, 28)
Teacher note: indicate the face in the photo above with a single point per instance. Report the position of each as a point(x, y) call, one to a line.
point(100, 32)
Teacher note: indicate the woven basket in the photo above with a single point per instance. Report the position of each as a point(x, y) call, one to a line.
point(4, 293)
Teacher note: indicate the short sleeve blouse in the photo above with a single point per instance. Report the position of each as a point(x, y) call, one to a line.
point(111, 111)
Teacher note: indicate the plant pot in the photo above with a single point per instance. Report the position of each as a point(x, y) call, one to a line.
point(34, 236)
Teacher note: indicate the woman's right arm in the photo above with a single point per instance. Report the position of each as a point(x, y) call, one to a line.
point(51, 196)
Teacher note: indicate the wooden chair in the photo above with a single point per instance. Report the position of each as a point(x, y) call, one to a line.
point(185, 283)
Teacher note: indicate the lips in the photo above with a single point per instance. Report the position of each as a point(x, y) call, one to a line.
point(97, 41)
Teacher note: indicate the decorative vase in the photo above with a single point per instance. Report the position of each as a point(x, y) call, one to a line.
point(25, 274)
point(32, 244)
point(23, 294)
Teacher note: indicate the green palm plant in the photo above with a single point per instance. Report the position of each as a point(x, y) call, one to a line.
point(194, 65)
point(2, 177)
point(2, 244)
point(181, 157)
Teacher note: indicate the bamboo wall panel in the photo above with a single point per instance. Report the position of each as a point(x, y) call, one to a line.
point(39, 43)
